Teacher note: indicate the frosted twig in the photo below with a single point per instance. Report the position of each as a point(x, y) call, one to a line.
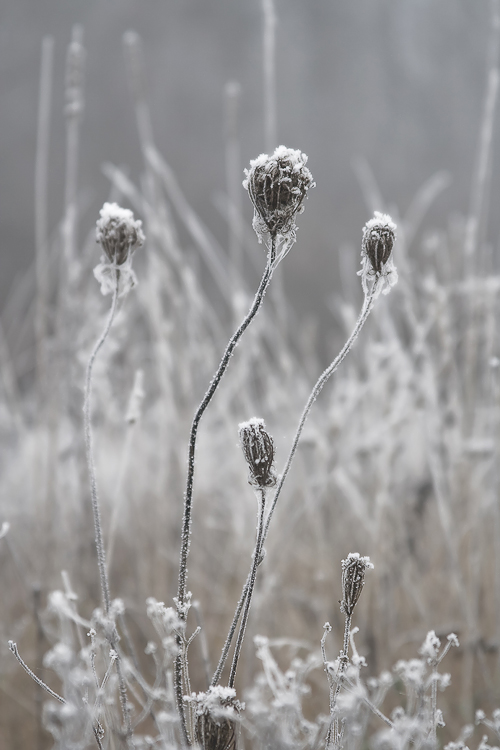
point(39, 682)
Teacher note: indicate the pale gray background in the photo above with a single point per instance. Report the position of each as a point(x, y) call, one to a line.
point(400, 82)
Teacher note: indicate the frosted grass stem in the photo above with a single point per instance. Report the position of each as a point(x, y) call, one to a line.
point(248, 599)
point(188, 497)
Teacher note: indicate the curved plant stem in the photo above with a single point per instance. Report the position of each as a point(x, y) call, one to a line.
point(188, 497)
point(365, 311)
point(248, 598)
point(324, 377)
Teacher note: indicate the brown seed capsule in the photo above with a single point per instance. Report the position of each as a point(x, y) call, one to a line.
point(353, 580)
point(277, 186)
point(258, 448)
point(118, 233)
point(217, 722)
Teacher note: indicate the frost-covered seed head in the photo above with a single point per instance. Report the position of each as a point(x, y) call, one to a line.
point(379, 236)
point(118, 232)
point(258, 449)
point(217, 719)
point(353, 580)
point(277, 186)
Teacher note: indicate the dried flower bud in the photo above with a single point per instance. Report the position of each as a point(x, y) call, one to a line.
point(379, 235)
point(353, 580)
point(277, 186)
point(217, 719)
point(258, 448)
point(118, 232)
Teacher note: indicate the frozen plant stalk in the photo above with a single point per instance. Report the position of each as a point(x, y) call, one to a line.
point(354, 568)
point(277, 186)
point(119, 234)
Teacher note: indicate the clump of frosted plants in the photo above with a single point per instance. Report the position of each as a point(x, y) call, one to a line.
point(277, 186)
point(119, 234)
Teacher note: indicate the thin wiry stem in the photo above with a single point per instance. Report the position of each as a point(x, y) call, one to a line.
point(248, 598)
point(367, 307)
point(101, 555)
point(334, 735)
point(324, 377)
point(39, 682)
point(188, 497)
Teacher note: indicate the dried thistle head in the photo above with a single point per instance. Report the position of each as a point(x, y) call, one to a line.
point(353, 580)
point(217, 719)
point(118, 233)
point(258, 448)
point(277, 186)
point(379, 236)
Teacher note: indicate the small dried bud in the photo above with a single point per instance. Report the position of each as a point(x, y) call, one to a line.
point(379, 235)
point(353, 580)
point(277, 186)
point(258, 448)
point(118, 232)
point(217, 719)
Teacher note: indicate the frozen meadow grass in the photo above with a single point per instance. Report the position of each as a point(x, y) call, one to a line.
point(398, 459)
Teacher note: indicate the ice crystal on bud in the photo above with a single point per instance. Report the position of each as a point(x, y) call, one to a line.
point(379, 235)
point(258, 448)
point(353, 580)
point(119, 234)
point(277, 186)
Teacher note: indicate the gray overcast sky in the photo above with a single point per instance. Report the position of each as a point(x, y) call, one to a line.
point(399, 82)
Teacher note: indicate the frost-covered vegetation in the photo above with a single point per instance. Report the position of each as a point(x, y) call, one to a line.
point(283, 637)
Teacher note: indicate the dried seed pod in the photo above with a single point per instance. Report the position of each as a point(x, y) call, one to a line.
point(118, 233)
point(217, 719)
point(258, 448)
point(379, 236)
point(353, 580)
point(277, 186)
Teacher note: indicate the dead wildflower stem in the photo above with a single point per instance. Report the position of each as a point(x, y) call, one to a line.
point(248, 599)
point(188, 497)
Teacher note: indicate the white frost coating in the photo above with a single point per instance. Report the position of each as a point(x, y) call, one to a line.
point(253, 422)
point(219, 702)
point(356, 556)
point(430, 647)
point(381, 225)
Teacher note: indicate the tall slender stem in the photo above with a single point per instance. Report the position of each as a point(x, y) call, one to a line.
point(365, 311)
point(188, 497)
point(89, 447)
point(101, 555)
point(248, 600)
point(324, 377)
